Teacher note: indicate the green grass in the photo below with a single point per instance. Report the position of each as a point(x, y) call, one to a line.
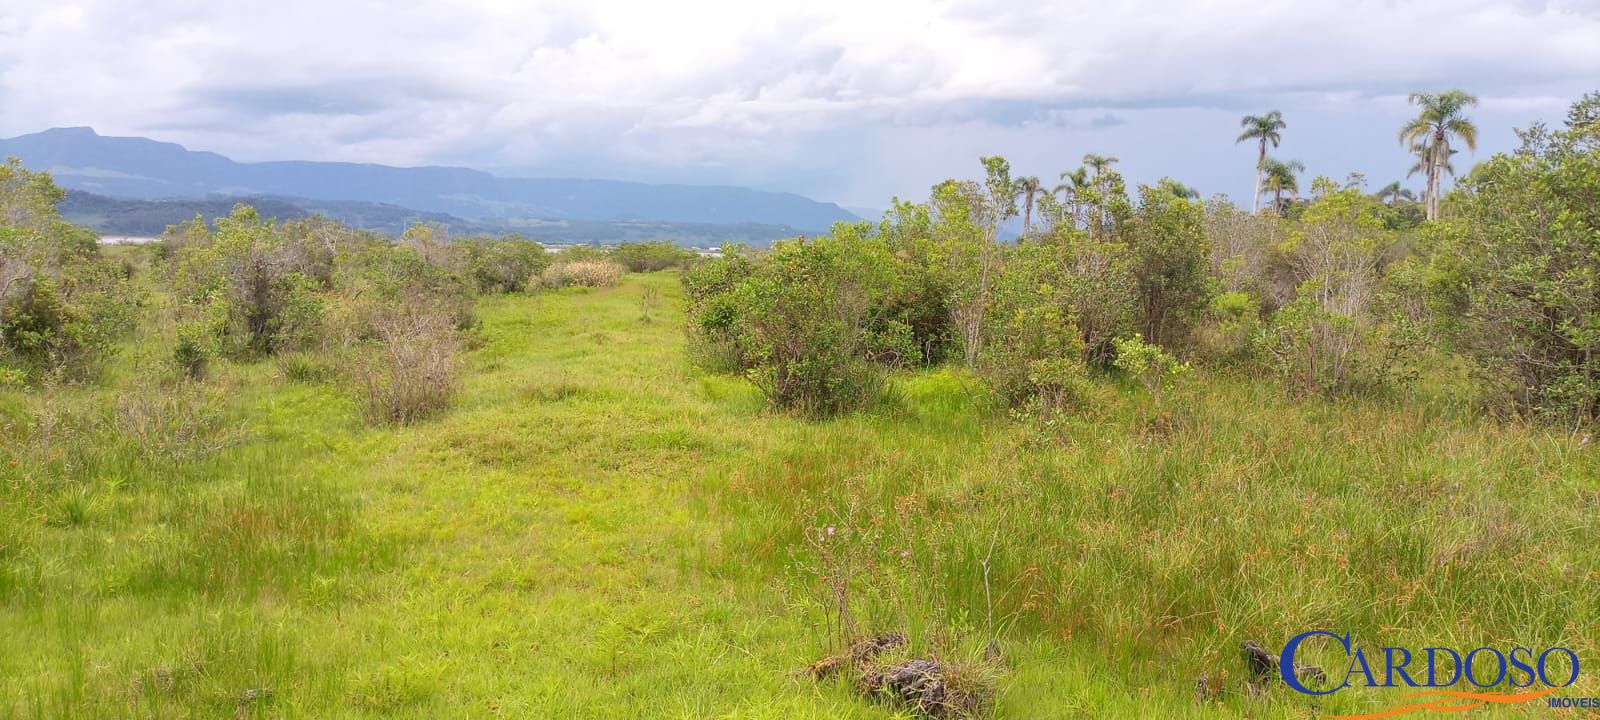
point(599, 530)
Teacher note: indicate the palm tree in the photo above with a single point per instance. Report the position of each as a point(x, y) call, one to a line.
point(1426, 160)
point(1178, 189)
point(1264, 129)
point(1442, 116)
point(1028, 188)
point(1393, 193)
point(1100, 164)
point(1279, 178)
point(1071, 188)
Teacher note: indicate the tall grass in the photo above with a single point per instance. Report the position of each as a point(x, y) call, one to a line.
point(1259, 518)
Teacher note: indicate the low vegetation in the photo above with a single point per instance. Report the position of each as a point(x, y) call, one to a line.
point(288, 469)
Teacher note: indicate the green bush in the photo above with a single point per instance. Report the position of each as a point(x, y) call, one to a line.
point(1227, 332)
point(1034, 356)
point(651, 256)
point(804, 321)
point(1152, 366)
point(1329, 338)
point(1171, 261)
point(505, 264)
point(1517, 263)
point(260, 280)
point(62, 304)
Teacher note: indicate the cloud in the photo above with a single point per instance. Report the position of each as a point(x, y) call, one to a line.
point(783, 94)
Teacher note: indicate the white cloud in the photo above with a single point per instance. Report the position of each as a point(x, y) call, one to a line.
point(759, 92)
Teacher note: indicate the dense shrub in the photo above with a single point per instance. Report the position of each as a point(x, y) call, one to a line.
point(651, 256)
point(1243, 248)
point(921, 299)
point(1328, 337)
point(62, 305)
point(1227, 331)
point(1518, 264)
point(1171, 264)
point(387, 315)
point(1034, 357)
point(805, 320)
point(714, 310)
point(811, 322)
point(502, 265)
point(259, 284)
point(583, 273)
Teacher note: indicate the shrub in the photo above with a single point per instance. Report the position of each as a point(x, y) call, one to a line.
point(1229, 328)
point(1171, 262)
point(401, 358)
point(1152, 366)
point(1518, 263)
point(651, 256)
point(1035, 356)
point(503, 265)
point(62, 305)
point(260, 280)
point(804, 320)
point(195, 346)
point(714, 310)
point(1327, 339)
point(581, 273)
point(1242, 250)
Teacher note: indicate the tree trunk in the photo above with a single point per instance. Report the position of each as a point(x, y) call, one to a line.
point(1027, 215)
point(1261, 159)
point(1432, 189)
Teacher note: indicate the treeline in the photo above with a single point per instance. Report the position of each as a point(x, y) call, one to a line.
point(1341, 293)
point(321, 300)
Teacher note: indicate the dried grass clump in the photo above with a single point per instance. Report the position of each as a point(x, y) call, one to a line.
point(402, 359)
point(883, 671)
point(583, 273)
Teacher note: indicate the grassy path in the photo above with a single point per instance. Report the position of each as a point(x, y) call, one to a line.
point(534, 553)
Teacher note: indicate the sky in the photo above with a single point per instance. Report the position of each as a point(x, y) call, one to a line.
point(849, 101)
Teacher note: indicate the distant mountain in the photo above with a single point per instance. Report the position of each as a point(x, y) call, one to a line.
point(140, 168)
point(124, 216)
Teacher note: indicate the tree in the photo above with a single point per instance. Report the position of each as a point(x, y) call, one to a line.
point(1104, 191)
point(1327, 338)
point(1280, 178)
point(1099, 164)
point(1072, 187)
point(1264, 129)
point(1171, 264)
point(966, 217)
point(1442, 116)
point(1028, 188)
point(1393, 194)
point(1424, 166)
point(1177, 189)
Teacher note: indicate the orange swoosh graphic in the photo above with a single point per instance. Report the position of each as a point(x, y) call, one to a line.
point(1475, 700)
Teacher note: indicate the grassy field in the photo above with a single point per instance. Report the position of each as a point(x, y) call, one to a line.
point(600, 530)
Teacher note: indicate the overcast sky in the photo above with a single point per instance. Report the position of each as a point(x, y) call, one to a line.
point(849, 101)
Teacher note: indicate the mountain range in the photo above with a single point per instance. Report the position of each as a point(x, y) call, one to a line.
point(137, 171)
